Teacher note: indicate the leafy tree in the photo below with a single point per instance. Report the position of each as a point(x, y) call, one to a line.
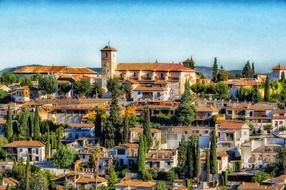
point(161, 186)
point(126, 129)
point(97, 91)
point(141, 154)
point(48, 84)
point(8, 78)
point(215, 70)
point(213, 153)
point(186, 111)
point(182, 152)
point(39, 182)
point(82, 87)
point(222, 75)
point(267, 89)
point(260, 177)
point(3, 96)
point(281, 161)
point(37, 130)
point(64, 88)
point(113, 177)
point(222, 90)
point(64, 157)
point(96, 156)
point(27, 174)
point(255, 95)
point(25, 81)
point(147, 129)
point(9, 125)
point(127, 89)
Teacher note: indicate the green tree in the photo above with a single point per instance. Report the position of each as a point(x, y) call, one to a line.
point(9, 125)
point(64, 88)
point(8, 78)
point(147, 129)
point(215, 70)
point(197, 153)
point(213, 153)
point(48, 145)
point(186, 111)
point(64, 157)
point(25, 81)
point(48, 84)
point(126, 128)
point(113, 177)
point(39, 182)
point(253, 69)
point(82, 87)
point(141, 154)
point(208, 167)
point(109, 135)
point(27, 174)
point(24, 130)
point(281, 161)
point(98, 123)
point(260, 177)
point(97, 90)
point(247, 71)
point(267, 89)
point(224, 176)
point(114, 112)
point(37, 130)
point(222, 75)
point(255, 95)
point(161, 186)
point(190, 162)
point(182, 152)
point(127, 89)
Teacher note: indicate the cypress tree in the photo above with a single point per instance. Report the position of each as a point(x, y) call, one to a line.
point(186, 112)
point(24, 131)
point(213, 154)
point(190, 159)
point(253, 69)
point(98, 124)
point(59, 142)
point(115, 116)
point(109, 135)
point(37, 124)
point(255, 95)
point(9, 125)
point(141, 154)
point(282, 76)
point(267, 89)
point(30, 125)
point(126, 128)
point(215, 69)
point(147, 129)
point(182, 152)
point(27, 174)
point(48, 149)
point(198, 158)
point(207, 168)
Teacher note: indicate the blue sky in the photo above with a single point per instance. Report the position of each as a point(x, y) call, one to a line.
point(72, 32)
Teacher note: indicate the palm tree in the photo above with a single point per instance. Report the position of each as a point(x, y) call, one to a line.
point(96, 156)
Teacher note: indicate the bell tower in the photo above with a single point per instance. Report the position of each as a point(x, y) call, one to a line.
point(108, 64)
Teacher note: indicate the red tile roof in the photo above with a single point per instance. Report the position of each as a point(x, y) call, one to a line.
point(53, 69)
point(25, 143)
point(229, 124)
point(149, 89)
point(279, 67)
point(136, 183)
point(153, 67)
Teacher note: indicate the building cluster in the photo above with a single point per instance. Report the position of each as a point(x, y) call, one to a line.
point(249, 135)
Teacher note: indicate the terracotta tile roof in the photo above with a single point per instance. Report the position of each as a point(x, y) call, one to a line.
point(257, 186)
point(267, 149)
point(10, 181)
point(87, 180)
point(59, 187)
point(3, 187)
point(247, 83)
point(205, 108)
point(80, 125)
point(140, 130)
point(153, 67)
point(53, 69)
point(279, 67)
point(148, 89)
point(260, 107)
point(222, 153)
point(230, 124)
point(155, 155)
point(136, 183)
point(127, 145)
point(25, 143)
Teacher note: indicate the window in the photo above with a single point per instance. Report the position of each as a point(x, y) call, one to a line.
point(162, 75)
point(121, 151)
point(158, 94)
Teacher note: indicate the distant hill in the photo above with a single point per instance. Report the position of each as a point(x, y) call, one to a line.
point(208, 71)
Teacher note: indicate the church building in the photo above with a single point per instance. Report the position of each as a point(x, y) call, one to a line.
point(150, 81)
